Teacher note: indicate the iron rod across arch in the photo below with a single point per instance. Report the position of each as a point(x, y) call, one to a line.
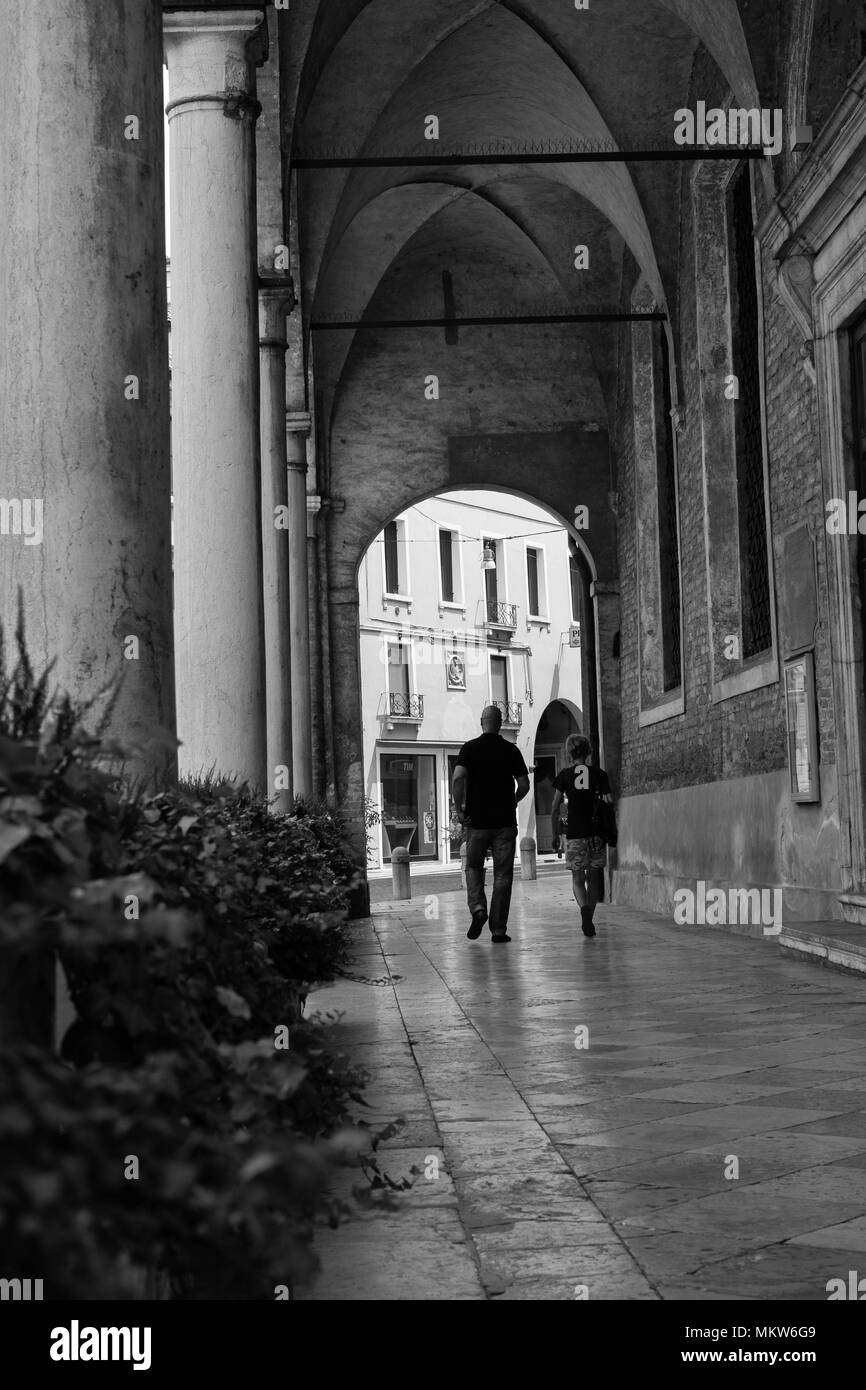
point(510, 320)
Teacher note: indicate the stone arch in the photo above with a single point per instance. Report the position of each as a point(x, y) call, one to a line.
point(547, 757)
point(344, 638)
point(524, 496)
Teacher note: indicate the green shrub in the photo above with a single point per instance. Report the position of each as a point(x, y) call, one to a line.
point(190, 924)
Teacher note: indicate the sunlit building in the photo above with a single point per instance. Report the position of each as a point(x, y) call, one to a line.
point(468, 599)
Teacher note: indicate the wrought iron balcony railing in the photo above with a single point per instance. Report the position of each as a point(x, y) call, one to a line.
point(512, 712)
point(501, 614)
point(402, 706)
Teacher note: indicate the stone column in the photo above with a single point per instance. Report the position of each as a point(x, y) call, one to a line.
point(275, 301)
point(348, 730)
point(297, 429)
point(215, 427)
point(85, 526)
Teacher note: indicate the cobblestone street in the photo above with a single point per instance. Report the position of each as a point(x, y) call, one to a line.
point(600, 1165)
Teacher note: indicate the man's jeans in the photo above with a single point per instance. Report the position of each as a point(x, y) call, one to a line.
point(502, 842)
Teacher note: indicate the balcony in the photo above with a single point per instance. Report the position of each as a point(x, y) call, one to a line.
point(512, 713)
point(500, 615)
point(408, 708)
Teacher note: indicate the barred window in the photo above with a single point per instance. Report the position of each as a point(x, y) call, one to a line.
point(754, 565)
point(669, 553)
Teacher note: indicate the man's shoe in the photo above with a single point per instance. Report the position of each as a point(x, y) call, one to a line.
point(478, 920)
point(503, 937)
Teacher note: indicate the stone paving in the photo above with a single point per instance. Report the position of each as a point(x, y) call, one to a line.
point(603, 1170)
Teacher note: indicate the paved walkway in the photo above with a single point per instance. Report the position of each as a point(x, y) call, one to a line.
point(603, 1170)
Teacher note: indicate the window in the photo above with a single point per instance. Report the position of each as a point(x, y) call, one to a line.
point(491, 579)
point(450, 568)
point(499, 681)
point(532, 580)
point(668, 551)
point(745, 356)
point(409, 817)
point(446, 565)
point(396, 569)
point(576, 582)
point(535, 582)
point(392, 559)
point(730, 362)
point(657, 561)
point(398, 669)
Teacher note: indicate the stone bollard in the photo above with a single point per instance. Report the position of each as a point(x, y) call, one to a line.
point(402, 887)
point(463, 865)
point(527, 858)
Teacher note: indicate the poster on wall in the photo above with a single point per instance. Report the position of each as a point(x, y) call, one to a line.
point(455, 670)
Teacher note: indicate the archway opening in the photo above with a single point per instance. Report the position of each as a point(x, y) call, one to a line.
point(559, 719)
point(467, 598)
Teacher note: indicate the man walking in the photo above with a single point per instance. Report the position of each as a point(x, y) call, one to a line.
point(486, 802)
point(585, 851)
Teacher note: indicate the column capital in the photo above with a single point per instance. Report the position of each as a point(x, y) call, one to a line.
point(208, 63)
point(604, 588)
point(276, 302)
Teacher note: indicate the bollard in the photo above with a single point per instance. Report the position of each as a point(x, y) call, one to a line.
point(463, 865)
point(527, 858)
point(400, 865)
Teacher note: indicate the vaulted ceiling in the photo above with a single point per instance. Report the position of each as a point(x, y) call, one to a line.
point(361, 76)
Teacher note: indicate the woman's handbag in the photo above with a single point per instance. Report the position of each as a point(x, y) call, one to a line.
point(603, 819)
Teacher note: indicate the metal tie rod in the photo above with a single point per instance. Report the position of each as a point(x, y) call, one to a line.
point(529, 157)
point(482, 320)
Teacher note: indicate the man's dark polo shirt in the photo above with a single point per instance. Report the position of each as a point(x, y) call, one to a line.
point(492, 765)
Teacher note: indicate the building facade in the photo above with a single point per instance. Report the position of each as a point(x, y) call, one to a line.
point(466, 600)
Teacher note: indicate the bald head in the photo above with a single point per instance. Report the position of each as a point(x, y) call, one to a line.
point(491, 719)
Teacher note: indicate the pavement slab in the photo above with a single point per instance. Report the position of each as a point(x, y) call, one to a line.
point(660, 1113)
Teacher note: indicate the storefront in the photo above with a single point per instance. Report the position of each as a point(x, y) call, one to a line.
point(414, 799)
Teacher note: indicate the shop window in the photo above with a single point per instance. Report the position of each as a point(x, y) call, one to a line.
point(409, 816)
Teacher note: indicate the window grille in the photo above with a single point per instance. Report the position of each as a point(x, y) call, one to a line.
point(401, 703)
point(669, 555)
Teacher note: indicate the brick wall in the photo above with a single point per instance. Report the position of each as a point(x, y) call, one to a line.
point(746, 734)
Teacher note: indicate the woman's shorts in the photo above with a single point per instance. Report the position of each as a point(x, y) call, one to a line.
point(585, 854)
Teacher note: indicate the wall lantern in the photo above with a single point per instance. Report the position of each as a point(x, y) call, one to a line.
point(488, 561)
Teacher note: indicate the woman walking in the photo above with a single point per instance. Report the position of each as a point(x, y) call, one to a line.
point(585, 848)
